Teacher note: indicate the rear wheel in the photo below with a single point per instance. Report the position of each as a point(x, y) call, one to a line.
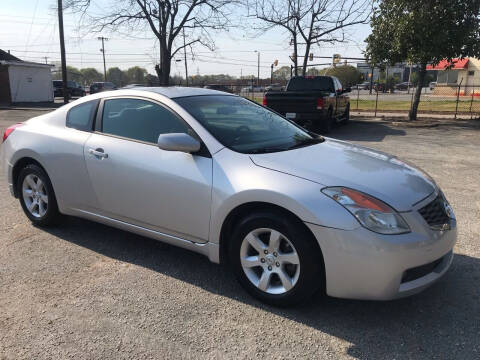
point(346, 115)
point(36, 196)
point(275, 259)
point(327, 124)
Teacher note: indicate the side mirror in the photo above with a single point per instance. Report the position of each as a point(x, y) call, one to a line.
point(178, 142)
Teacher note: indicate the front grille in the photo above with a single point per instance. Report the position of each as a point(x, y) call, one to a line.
point(435, 214)
point(420, 271)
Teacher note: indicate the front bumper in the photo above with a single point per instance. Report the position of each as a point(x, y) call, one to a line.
point(361, 264)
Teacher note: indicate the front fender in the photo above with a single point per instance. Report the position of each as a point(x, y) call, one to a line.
point(237, 181)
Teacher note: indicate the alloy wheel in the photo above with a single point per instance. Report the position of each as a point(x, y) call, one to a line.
point(35, 195)
point(270, 261)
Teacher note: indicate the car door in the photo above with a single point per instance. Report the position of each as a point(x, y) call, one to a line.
point(139, 183)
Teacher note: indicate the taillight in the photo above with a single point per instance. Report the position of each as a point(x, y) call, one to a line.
point(319, 103)
point(10, 130)
point(264, 102)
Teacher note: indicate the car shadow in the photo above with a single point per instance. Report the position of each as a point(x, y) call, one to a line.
point(357, 130)
point(442, 322)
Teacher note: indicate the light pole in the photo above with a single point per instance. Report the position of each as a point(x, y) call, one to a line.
point(103, 52)
point(258, 68)
point(62, 51)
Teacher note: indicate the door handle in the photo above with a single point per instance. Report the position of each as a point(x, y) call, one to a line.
point(99, 153)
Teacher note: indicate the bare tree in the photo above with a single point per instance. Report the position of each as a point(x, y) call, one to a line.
point(314, 21)
point(281, 13)
point(326, 21)
point(166, 19)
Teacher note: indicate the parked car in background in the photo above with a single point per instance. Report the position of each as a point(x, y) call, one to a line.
point(317, 102)
point(253, 89)
point(131, 86)
point(73, 88)
point(274, 87)
point(290, 212)
point(101, 86)
point(218, 87)
point(432, 85)
point(363, 86)
point(404, 86)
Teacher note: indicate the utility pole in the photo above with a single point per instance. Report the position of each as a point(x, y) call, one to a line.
point(62, 51)
point(103, 52)
point(258, 68)
point(185, 56)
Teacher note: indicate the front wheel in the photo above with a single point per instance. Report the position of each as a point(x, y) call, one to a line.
point(275, 259)
point(37, 197)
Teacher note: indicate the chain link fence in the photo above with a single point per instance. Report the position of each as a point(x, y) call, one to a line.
point(449, 100)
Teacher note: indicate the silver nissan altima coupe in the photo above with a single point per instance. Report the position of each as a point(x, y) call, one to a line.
point(290, 211)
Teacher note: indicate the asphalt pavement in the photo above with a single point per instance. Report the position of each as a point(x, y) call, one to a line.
point(87, 291)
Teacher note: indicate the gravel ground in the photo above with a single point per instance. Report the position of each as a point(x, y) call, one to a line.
point(85, 290)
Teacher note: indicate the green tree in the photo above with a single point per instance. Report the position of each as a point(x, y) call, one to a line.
point(91, 75)
point(347, 74)
point(73, 74)
point(414, 78)
point(282, 73)
point(423, 32)
point(136, 75)
point(117, 76)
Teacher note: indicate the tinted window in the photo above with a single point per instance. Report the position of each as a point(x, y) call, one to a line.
point(139, 120)
point(243, 125)
point(81, 116)
point(317, 83)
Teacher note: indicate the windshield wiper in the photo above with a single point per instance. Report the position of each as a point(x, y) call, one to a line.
point(267, 150)
point(307, 142)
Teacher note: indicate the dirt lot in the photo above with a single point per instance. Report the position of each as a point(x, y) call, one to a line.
point(88, 291)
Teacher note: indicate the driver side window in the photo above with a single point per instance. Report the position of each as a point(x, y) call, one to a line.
point(139, 120)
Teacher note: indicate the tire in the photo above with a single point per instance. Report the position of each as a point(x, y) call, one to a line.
point(346, 115)
point(41, 207)
point(327, 124)
point(276, 262)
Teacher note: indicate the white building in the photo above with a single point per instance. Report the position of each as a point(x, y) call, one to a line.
point(400, 71)
point(22, 81)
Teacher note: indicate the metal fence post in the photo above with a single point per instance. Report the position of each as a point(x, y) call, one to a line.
point(358, 94)
point(471, 102)
point(458, 98)
point(376, 102)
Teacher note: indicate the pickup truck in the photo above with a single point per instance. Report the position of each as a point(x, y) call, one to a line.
point(315, 102)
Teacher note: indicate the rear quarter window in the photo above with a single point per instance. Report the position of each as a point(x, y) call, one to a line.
point(80, 117)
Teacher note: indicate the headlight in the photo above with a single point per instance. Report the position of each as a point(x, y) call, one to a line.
point(371, 213)
point(448, 207)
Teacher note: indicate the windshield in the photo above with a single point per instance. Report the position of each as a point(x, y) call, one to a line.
point(317, 83)
point(244, 126)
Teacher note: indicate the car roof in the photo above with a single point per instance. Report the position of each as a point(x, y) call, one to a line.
point(179, 91)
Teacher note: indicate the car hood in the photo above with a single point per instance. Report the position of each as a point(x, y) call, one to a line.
point(338, 163)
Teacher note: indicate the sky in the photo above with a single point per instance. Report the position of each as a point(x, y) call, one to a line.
point(29, 29)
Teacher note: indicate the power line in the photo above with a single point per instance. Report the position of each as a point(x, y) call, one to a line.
point(31, 24)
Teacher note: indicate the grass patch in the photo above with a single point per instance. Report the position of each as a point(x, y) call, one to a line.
point(404, 105)
point(389, 105)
